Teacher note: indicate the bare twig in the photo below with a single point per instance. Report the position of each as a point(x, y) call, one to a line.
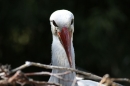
point(88, 75)
point(28, 64)
point(121, 79)
point(47, 73)
point(109, 81)
point(20, 78)
point(16, 76)
point(57, 75)
point(106, 80)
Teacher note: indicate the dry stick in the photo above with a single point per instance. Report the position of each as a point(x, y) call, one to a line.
point(21, 79)
point(63, 73)
point(57, 75)
point(121, 79)
point(28, 64)
point(42, 83)
point(43, 73)
point(46, 73)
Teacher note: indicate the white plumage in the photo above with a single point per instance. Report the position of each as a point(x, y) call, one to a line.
point(62, 27)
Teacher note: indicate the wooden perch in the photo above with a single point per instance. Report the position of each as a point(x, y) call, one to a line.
point(28, 64)
point(22, 79)
point(15, 76)
point(88, 75)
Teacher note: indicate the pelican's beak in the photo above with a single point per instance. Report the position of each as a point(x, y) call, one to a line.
point(65, 39)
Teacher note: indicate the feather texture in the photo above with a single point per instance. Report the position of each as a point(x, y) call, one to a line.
point(63, 18)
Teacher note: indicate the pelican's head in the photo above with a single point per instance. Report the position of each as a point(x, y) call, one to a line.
point(62, 26)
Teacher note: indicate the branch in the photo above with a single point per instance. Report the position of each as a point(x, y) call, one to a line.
point(88, 75)
point(15, 76)
point(22, 79)
point(57, 75)
point(28, 64)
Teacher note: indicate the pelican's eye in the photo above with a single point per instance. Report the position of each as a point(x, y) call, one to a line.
point(54, 23)
point(72, 21)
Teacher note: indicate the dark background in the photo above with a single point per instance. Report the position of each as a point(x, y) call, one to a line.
point(101, 37)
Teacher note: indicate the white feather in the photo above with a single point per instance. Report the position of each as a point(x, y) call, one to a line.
point(59, 58)
point(88, 83)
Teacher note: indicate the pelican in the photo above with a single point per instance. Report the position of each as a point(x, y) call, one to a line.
point(62, 27)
